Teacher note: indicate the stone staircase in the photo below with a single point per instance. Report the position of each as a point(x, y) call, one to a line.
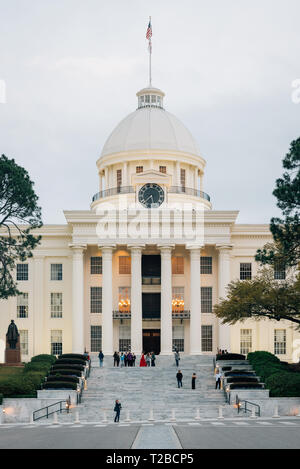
point(142, 389)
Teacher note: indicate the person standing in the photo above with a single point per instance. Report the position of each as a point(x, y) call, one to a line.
point(125, 358)
point(133, 359)
point(122, 359)
point(153, 358)
point(117, 409)
point(116, 359)
point(179, 377)
point(129, 359)
point(218, 380)
point(101, 358)
point(142, 360)
point(194, 377)
point(148, 359)
point(177, 358)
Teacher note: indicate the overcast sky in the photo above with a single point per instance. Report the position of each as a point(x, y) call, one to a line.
point(72, 69)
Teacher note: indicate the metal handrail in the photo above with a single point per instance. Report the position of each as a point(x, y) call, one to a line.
point(66, 408)
point(245, 407)
point(185, 314)
point(131, 190)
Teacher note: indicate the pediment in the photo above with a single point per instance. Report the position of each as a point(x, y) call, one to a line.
point(152, 176)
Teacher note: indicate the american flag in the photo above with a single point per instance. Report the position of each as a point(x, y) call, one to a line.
point(149, 31)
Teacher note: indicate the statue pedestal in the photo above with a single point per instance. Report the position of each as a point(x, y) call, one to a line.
point(13, 356)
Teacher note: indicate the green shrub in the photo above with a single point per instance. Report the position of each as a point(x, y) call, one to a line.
point(70, 361)
point(284, 384)
point(16, 386)
point(43, 367)
point(67, 379)
point(44, 358)
point(1, 398)
point(59, 385)
point(64, 366)
point(73, 356)
point(65, 372)
point(262, 357)
point(231, 356)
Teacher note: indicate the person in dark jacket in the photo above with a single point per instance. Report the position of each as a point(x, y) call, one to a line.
point(153, 358)
point(194, 377)
point(101, 357)
point(116, 359)
point(117, 409)
point(179, 377)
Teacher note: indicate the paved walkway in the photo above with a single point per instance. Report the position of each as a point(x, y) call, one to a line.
point(211, 433)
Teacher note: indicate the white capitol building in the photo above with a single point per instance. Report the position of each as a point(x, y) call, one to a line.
point(143, 267)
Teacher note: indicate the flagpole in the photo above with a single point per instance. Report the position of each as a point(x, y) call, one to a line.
point(150, 53)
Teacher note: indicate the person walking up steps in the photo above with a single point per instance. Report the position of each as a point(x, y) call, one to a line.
point(101, 358)
point(194, 377)
point(218, 380)
point(179, 378)
point(177, 358)
point(117, 409)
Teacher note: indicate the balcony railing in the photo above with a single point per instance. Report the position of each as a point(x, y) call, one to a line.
point(131, 190)
point(151, 280)
point(175, 315)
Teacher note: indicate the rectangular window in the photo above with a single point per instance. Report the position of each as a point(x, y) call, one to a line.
point(22, 305)
point(96, 338)
point(163, 169)
point(124, 299)
point(119, 178)
point(182, 178)
point(177, 299)
point(22, 272)
point(139, 169)
point(124, 265)
point(279, 272)
point(206, 299)
point(280, 342)
point(96, 300)
point(207, 338)
point(56, 271)
point(96, 265)
point(178, 338)
point(124, 338)
point(56, 342)
point(24, 342)
point(245, 271)
point(178, 265)
point(245, 341)
point(56, 305)
point(206, 265)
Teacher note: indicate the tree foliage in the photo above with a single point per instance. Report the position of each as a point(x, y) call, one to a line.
point(261, 297)
point(19, 215)
point(286, 231)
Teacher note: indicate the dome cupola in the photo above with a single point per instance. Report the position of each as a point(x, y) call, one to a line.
point(150, 97)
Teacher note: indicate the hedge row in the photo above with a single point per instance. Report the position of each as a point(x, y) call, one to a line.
point(279, 378)
point(59, 385)
point(29, 381)
point(230, 356)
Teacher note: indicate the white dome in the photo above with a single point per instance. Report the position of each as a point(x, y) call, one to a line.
point(150, 128)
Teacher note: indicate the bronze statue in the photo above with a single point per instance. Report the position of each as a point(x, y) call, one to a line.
point(12, 335)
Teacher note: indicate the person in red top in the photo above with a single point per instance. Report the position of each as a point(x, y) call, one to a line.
point(143, 361)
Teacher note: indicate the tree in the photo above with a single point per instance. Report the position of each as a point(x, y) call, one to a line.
point(261, 297)
point(286, 231)
point(19, 215)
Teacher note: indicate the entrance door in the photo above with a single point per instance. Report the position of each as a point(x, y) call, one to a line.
point(151, 340)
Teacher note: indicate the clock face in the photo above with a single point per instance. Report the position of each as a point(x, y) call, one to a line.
point(151, 195)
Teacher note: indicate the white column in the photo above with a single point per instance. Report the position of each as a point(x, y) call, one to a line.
point(107, 300)
point(166, 300)
point(106, 178)
point(195, 301)
point(100, 181)
point(77, 299)
point(196, 178)
point(136, 300)
point(223, 280)
point(177, 175)
point(125, 174)
point(38, 345)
